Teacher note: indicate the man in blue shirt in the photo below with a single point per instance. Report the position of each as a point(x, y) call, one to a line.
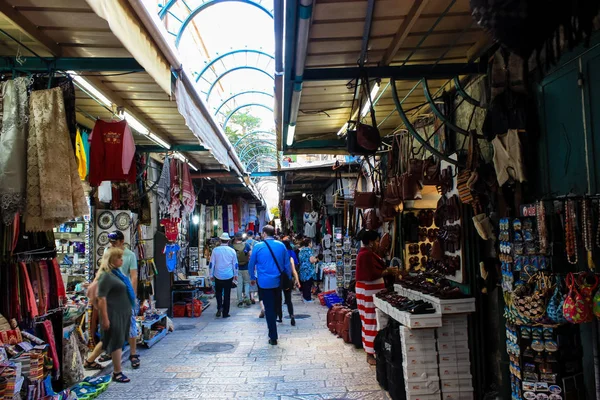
point(223, 272)
point(267, 267)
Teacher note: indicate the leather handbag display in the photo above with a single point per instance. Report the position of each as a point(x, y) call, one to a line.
point(363, 139)
point(431, 172)
point(393, 187)
point(468, 177)
point(367, 199)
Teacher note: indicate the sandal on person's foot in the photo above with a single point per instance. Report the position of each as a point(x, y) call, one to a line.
point(135, 361)
point(90, 366)
point(371, 359)
point(120, 377)
point(104, 358)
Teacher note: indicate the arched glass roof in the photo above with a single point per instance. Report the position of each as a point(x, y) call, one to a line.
point(229, 45)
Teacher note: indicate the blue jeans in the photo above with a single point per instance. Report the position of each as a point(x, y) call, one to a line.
point(268, 297)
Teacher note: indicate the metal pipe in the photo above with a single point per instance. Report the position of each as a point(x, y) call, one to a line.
point(205, 175)
point(212, 86)
point(243, 106)
point(304, 18)
point(241, 94)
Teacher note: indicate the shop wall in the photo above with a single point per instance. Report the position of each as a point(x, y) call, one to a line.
point(568, 102)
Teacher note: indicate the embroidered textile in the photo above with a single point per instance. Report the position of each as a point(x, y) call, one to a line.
point(164, 188)
point(13, 148)
point(54, 190)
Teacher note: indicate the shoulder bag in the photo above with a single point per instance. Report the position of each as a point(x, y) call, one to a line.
point(393, 188)
point(364, 200)
point(363, 139)
point(466, 178)
point(285, 283)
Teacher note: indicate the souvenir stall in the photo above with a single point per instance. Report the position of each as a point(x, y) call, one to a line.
point(45, 239)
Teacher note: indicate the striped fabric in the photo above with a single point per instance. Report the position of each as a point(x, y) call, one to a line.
point(364, 298)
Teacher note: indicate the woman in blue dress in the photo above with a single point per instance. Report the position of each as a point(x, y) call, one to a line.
point(307, 269)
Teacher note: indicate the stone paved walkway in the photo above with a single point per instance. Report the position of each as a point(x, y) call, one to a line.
point(308, 363)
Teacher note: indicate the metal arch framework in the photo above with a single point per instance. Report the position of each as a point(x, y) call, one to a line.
point(193, 13)
point(241, 94)
point(233, 53)
point(244, 106)
point(259, 144)
point(253, 133)
point(268, 156)
point(212, 86)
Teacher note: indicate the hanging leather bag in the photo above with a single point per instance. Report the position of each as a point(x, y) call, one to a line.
point(363, 139)
point(411, 189)
point(393, 188)
point(466, 178)
point(431, 171)
point(367, 199)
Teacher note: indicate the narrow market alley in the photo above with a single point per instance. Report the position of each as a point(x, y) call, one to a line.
point(308, 363)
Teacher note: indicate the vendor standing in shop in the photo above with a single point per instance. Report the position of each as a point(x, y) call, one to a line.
point(130, 270)
point(223, 273)
point(369, 281)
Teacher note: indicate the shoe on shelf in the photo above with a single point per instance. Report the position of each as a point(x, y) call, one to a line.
point(240, 304)
point(261, 315)
point(293, 321)
point(218, 314)
point(273, 342)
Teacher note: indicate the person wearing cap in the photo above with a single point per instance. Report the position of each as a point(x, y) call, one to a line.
point(223, 272)
point(243, 287)
point(130, 270)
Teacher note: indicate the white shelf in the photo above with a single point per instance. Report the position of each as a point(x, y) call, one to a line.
point(442, 306)
point(413, 321)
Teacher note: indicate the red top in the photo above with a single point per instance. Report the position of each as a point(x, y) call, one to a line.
point(111, 153)
point(171, 228)
point(369, 266)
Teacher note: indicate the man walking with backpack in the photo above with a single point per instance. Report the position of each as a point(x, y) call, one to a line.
point(270, 267)
point(243, 285)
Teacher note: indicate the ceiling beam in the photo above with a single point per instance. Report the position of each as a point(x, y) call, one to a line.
point(73, 63)
point(312, 174)
point(403, 30)
point(24, 25)
point(407, 72)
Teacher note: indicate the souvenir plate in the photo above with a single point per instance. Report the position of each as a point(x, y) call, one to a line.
point(122, 221)
point(106, 219)
point(103, 238)
point(100, 250)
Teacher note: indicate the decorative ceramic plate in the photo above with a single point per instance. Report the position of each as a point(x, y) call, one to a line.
point(122, 221)
point(103, 238)
point(106, 219)
point(100, 250)
point(99, 262)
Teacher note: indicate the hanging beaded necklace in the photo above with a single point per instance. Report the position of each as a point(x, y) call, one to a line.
point(570, 237)
point(541, 226)
point(587, 231)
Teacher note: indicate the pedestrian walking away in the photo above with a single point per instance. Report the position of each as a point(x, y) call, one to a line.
point(269, 262)
point(223, 273)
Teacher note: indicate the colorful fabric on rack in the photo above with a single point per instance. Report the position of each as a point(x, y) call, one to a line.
point(51, 165)
point(111, 153)
point(230, 226)
point(188, 197)
point(13, 148)
point(49, 336)
point(85, 139)
point(175, 204)
point(236, 218)
point(164, 188)
point(81, 156)
point(219, 218)
point(58, 281)
point(32, 308)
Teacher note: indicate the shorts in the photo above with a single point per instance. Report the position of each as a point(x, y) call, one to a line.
point(133, 332)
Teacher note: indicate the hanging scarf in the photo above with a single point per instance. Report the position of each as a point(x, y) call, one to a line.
point(54, 190)
point(127, 283)
point(188, 197)
point(164, 188)
point(13, 148)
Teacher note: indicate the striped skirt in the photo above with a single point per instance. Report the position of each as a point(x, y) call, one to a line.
point(364, 298)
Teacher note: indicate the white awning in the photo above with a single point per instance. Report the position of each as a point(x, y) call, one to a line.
point(125, 25)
